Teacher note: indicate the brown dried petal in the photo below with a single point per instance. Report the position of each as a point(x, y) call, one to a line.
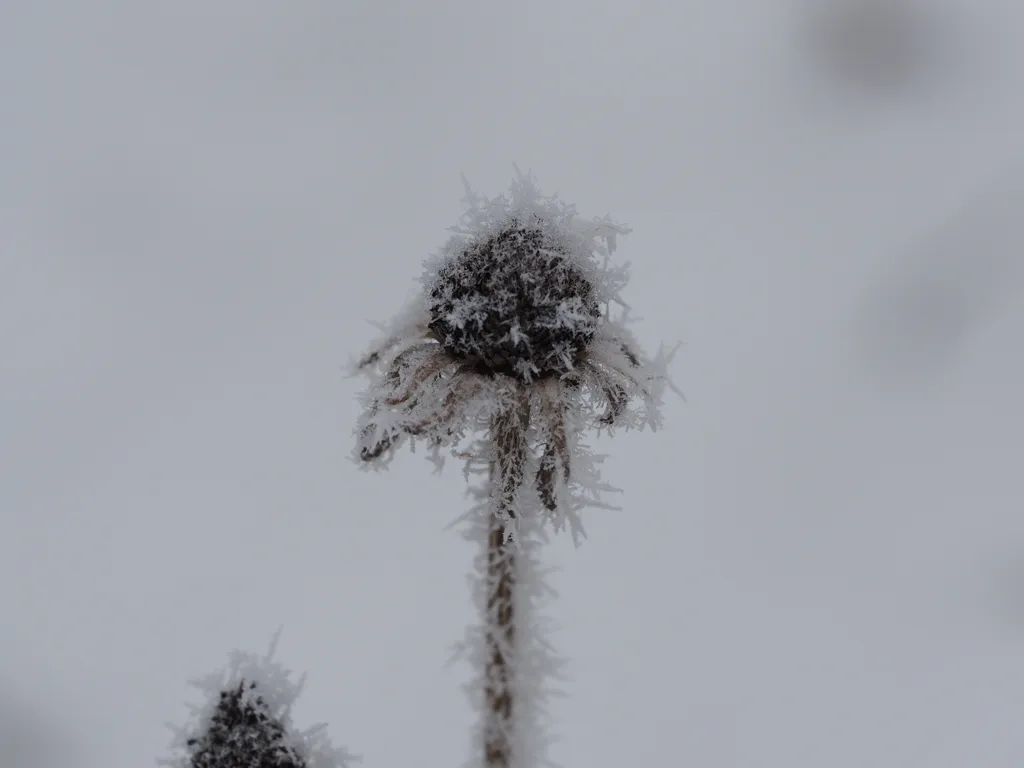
point(617, 400)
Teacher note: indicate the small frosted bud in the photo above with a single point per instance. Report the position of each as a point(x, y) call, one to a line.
point(243, 734)
point(245, 722)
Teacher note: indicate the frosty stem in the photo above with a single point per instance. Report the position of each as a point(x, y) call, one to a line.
point(500, 637)
point(508, 433)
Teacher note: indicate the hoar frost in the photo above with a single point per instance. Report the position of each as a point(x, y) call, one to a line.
point(514, 308)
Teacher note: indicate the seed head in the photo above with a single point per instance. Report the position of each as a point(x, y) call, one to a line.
point(514, 303)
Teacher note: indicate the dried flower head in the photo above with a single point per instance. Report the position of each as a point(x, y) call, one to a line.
point(515, 302)
point(515, 316)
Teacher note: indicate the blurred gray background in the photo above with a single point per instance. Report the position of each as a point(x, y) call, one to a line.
point(821, 558)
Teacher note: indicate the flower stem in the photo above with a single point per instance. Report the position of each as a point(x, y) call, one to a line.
point(500, 642)
point(508, 432)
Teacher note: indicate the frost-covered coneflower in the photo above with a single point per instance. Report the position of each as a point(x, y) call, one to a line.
point(507, 356)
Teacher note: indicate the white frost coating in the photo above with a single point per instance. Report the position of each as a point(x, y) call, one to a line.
point(276, 686)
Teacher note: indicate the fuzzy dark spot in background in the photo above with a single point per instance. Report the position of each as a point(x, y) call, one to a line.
point(880, 47)
point(915, 322)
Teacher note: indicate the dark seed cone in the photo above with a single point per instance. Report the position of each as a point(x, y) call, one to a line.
point(512, 291)
point(243, 734)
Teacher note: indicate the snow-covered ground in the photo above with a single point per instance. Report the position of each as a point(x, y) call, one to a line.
point(821, 558)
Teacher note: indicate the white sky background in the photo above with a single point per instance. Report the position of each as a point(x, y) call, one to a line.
point(821, 559)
